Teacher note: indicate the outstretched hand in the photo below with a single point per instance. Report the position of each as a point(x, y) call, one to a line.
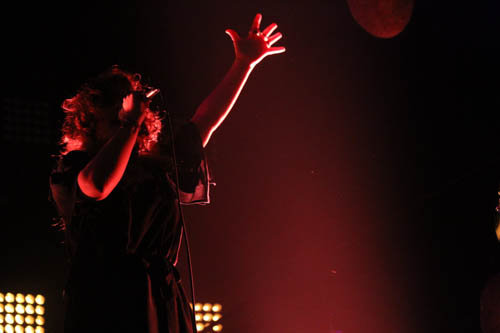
point(258, 44)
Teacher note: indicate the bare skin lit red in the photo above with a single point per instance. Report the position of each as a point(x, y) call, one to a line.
point(100, 176)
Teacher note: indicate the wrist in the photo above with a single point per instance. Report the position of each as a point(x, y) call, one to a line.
point(129, 120)
point(243, 64)
point(130, 124)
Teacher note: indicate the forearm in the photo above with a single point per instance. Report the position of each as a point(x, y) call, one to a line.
point(215, 108)
point(101, 175)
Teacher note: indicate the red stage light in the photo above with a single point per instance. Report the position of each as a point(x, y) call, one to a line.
point(382, 18)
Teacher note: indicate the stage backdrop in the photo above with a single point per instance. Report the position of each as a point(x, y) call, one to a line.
point(356, 175)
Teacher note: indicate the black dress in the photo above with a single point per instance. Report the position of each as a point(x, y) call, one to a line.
point(123, 249)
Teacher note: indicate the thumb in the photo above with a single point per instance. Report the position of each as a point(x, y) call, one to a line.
point(233, 34)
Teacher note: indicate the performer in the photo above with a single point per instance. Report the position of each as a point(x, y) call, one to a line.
point(115, 192)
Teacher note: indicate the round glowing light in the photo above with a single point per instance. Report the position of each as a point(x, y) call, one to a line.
point(217, 328)
point(20, 298)
point(382, 18)
point(207, 317)
point(40, 310)
point(9, 308)
point(207, 307)
point(200, 327)
point(9, 319)
point(2, 297)
point(9, 329)
point(29, 309)
point(1, 319)
point(19, 319)
point(19, 329)
point(40, 320)
point(29, 299)
point(197, 307)
point(197, 317)
point(20, 308)
point(217, 307)
point(497, 231)
point(216, 317)
point(29, 320)
point(39, 299)
point(39, 329)
point(1, 308)
point(9, 297)
point(29, 329)
point(1, 329)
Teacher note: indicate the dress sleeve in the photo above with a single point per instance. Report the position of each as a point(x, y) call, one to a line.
point(64, 191)
point(194, 175)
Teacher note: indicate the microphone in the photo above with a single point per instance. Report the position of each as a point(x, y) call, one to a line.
point(152, 93)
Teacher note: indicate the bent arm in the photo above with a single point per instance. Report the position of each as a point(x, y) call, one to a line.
point(101, 175)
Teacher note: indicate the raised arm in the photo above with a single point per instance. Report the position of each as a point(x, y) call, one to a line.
point(249, 51)
point(101, 175)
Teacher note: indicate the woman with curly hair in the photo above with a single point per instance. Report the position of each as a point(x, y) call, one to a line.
point(95, 107)
point(116, 190)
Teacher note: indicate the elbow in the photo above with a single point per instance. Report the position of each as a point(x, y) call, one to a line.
point(90, 189)
point(200, 124)
point(204, 130)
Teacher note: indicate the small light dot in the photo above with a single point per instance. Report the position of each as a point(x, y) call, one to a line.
point(19, 319)
point(40, 320)
point(20, 298)
point(9, 319)
point(40, 299)
point(217, 328)
point(20, 308)
point(9, 297)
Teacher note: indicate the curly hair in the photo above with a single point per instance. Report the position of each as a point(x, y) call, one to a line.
point(103, 93)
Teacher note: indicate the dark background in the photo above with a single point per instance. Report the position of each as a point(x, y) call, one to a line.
point(356, 176)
